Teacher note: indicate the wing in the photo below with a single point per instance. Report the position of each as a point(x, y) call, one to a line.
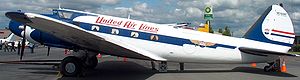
point(264, 52)
point(83, 38)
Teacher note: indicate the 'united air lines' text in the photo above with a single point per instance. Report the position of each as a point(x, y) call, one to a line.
point(127, 24)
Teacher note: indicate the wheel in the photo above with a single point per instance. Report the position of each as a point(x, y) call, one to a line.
point(153, 65)
point(181, 66)
point(92, 63)
point(71, 66)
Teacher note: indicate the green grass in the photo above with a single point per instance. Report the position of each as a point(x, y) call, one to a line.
point(294, 52)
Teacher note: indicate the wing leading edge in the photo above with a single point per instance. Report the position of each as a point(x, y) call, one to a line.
point(264, 52)
point(85, 39)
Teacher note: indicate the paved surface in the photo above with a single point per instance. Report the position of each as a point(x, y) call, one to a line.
point(112, 68)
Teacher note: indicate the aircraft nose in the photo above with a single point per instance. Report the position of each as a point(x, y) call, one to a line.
point(17, 20)
point(18, 16)
point(14, 27)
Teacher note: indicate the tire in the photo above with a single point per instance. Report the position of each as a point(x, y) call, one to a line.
point(71, 66)
point(93, 63)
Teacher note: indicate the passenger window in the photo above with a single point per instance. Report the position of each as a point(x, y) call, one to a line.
point(66, 15)
point(114, 31)
point(154, 37)
point(95, 28)
point(134, 34)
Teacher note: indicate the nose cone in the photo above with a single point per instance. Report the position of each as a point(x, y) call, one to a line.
point(14, 28)
point(18, 16)
point(17, 19)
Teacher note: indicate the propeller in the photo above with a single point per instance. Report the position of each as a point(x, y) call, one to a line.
point(19, 46)
point(48, 51)
point(23, 43)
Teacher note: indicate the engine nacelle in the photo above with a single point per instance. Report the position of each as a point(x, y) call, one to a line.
point(28, 32)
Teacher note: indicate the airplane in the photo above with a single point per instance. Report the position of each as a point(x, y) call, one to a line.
point(88, 34)
point(27, 44)
point(10, 38)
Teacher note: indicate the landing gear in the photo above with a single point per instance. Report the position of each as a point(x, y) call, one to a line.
point(267, 68)
point(163, 67)
point(76, 65)
point(91, 63)
point(71, 66)
point(181, 66)
point(153, 65)
point(273, 66)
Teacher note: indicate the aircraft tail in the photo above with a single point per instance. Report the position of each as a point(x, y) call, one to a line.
point(11, 37)
point(274, 26)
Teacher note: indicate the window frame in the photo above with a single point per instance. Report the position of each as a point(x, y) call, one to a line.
point(154, 39)
point(115, 31)
point(134, 34)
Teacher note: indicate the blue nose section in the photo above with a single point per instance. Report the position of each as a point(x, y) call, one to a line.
point(14, 27)
point(17, 19)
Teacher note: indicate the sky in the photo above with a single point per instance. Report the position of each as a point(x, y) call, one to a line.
point(239, 15)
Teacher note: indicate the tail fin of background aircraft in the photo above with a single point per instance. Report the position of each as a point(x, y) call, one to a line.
point(274, 26)
point(11, 37)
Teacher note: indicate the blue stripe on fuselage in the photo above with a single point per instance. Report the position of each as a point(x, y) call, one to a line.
point(146, 36)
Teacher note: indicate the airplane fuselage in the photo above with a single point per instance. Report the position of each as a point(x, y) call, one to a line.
point(176, 44)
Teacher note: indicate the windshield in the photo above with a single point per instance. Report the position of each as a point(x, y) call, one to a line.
point(66, 15)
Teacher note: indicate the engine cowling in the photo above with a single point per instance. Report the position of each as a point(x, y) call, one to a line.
point(28, 32)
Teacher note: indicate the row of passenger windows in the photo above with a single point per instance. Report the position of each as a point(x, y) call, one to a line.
point(134, 34)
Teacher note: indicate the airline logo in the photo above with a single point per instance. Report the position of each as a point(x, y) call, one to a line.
point(202, 43)
point(128, 24)
point(267, 31)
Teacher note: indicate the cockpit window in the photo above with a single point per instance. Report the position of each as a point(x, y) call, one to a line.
point(55, 12)
point(66, 15)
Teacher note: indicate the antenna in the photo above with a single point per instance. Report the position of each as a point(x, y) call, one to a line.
point(128, 13)
point(128, 17)
point(59, 4)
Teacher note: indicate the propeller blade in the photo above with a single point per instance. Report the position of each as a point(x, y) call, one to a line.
point(48, 51)
point(19, 46)
point(23, 43)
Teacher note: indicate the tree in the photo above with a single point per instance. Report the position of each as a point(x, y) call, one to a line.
point(226, 31)
point(220, 30)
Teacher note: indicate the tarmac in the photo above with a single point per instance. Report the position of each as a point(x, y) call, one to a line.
point(114, 68)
